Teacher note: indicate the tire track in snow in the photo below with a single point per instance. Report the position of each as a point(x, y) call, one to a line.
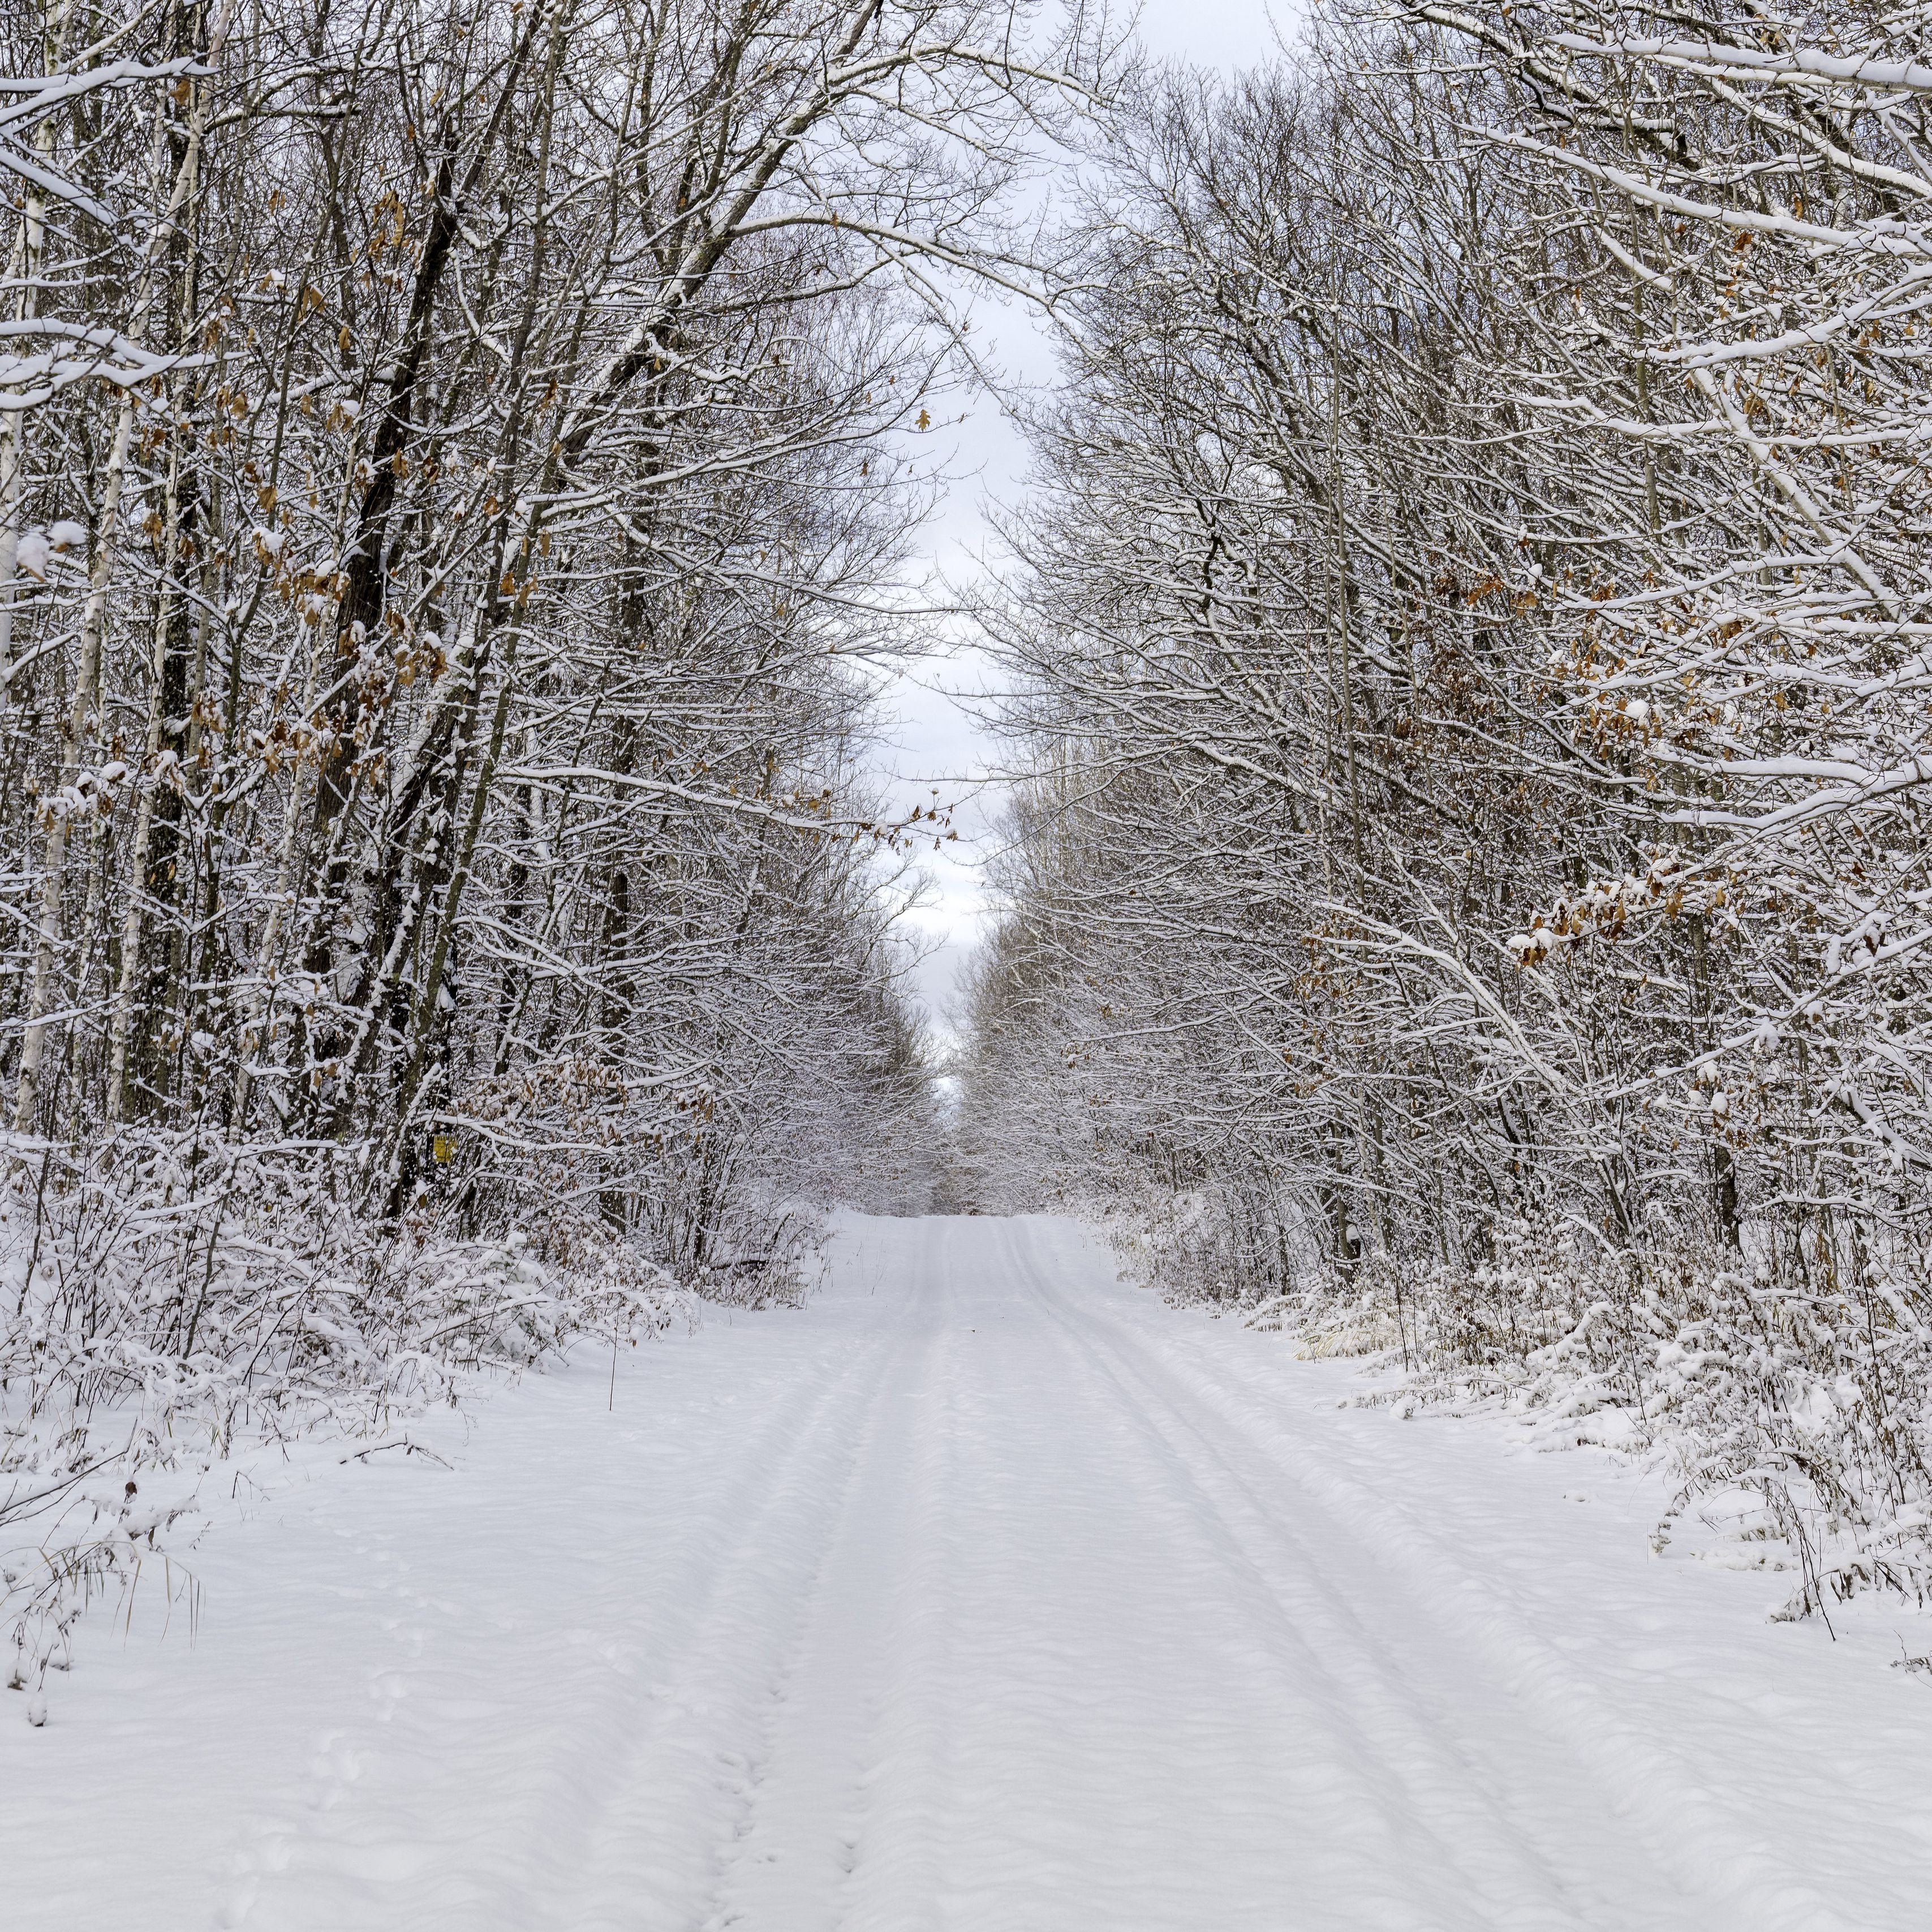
point(1713, 1856)
point(587, 1803)
point(813, 1838)
point(742, 1658)
point(1450, 1838)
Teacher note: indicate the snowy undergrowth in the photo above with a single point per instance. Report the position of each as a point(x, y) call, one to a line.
point(1794, 1418)
point(177, 1319)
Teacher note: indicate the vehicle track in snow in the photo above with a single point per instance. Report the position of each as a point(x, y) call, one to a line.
point(711, 1697)
point(1494, 1815)
point(807, 1854)
point(984, 1594)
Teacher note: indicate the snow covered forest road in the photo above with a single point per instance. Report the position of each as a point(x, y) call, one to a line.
point(986, 1594)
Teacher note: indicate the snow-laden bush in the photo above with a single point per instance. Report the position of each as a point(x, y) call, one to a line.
point(1795, 1415)
point(172, 1302)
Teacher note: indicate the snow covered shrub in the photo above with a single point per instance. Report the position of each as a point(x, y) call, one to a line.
point(172, 1302)
point(95, 1538)
point(1796, 1417)
point(1803, 1413)
point(1225, 1244)
point(186, 1295)
point(1794, 1413)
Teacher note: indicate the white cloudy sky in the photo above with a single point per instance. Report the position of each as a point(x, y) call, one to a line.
point(933, 740)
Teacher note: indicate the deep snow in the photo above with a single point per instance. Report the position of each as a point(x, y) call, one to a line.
point(985, 1593)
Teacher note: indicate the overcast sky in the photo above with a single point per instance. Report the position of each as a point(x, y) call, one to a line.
point(933, 741)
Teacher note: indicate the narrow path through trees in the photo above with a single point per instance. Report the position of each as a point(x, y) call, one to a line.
point(985, 1593)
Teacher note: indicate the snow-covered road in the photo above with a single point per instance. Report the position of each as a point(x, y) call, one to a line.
point(985, 1594)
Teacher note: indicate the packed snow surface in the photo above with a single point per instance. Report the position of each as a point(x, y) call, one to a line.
point(985, 1593)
